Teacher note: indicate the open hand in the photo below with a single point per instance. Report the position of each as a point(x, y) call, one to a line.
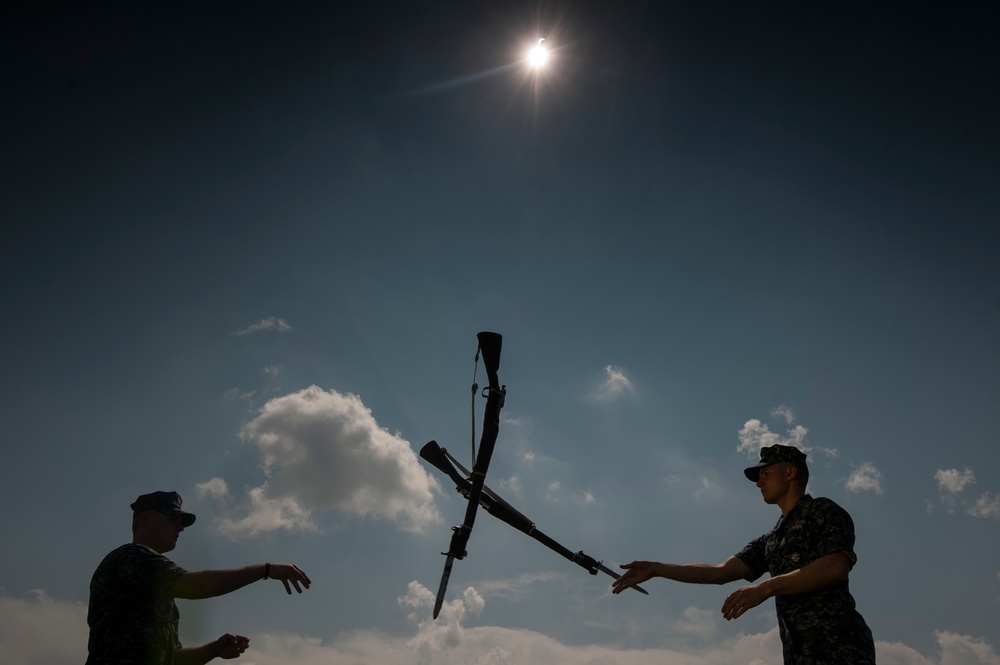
point(290, 575)
point(636, 572)
point(742, 600)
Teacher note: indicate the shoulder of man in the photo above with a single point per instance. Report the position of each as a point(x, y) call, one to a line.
point(139, 561)
point(823, 505)
point(833, 525)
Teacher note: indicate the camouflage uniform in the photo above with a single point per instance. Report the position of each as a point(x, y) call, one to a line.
point(822, 627)
point(133, 619)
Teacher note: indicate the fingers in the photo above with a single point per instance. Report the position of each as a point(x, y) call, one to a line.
point(620, 585)
point(633, 575)
point(290, 576)
point(232, 646)
point(739, 601)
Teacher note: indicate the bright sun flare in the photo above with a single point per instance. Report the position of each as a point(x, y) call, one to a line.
point(538, 55)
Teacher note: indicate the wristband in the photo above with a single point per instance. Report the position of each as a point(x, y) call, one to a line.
point(267, 571)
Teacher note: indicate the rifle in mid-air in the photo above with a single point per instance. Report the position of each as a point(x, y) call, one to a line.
point(490, 345)
point(471, 484)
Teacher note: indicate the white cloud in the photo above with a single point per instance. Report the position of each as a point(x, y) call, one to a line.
point(270, 323)
point(706, 488)
point(215, 488)
point(783, 412)
point(613, 385)
point(236, 394)
point(272, 370)
point(516, 588)
point(951, 484)
point(26, 627)
point(41, 630)
point(865, 478)
point(446, 632)
point(269, 514)
point(965, 650)
point(756, 435)
point(987, 505)
point(897, 653)
point(513, 486)
point(953, 480)
point(703, 624)
point(323, 450)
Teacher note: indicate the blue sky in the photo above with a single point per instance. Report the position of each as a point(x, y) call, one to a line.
point(247, 251)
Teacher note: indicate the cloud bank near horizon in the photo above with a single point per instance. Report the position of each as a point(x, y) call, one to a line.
point(26, 627)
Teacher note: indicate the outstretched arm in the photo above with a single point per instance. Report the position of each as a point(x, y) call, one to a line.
point(819, 574)
point(638, 572)
point(220, 581)
point(228, 646)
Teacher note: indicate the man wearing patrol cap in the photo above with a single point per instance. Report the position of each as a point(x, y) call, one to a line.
point(133, 617)
point(809, 554)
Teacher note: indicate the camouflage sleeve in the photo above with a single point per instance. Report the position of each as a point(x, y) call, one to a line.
point(834, 530)
point(153, 571)
point(753, 556)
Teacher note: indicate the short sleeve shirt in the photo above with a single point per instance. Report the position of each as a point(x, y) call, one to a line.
point(820, 627)
point(133, 619)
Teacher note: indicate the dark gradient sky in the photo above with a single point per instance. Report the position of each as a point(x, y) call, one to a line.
point(740, 207)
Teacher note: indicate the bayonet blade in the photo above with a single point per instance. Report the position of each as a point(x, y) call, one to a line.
point(443, 587)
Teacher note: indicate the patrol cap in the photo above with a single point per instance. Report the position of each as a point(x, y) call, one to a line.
point(168, 503)
point(772, 455)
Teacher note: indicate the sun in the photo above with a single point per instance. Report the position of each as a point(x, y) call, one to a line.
point(538, 55)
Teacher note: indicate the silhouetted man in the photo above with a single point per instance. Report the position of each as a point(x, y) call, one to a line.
point(808, 553)
point(133, 617)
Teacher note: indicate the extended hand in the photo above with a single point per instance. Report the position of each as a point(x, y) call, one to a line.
point(290, 575)
point(231, 646)
point(636, 572)
point(742, 600)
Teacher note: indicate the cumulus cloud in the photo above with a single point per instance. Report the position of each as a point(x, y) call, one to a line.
point(323, 450)
point(27, 625)
point(965, 650)
point(446, 632)
point(987, 505)
point(26, 629)
point(953, 480)
point(703, 624)
point(216, 488)
point(783, 412)
point(865, 478)
point(269, 514)
point(756, 435)
point(270, 323)
point(952, 483)
point(613, 385)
